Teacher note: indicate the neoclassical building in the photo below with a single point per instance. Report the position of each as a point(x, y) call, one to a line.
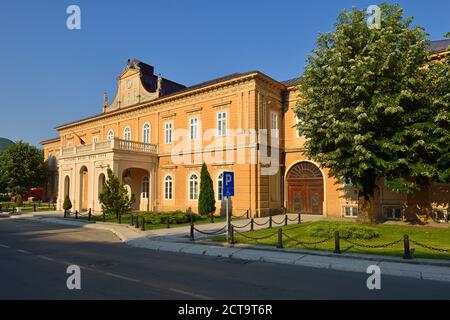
point(156, 133)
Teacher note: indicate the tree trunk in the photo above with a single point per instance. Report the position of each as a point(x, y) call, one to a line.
point(366, 209)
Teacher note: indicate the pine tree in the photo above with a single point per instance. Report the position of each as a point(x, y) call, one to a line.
point(206, 200)
point(366, 107)
point(67, 205)
point(114, 198)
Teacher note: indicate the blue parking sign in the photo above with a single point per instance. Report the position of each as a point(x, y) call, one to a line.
point(228, 184)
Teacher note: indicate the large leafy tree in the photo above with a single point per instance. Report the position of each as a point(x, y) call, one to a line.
point(115, 198)
point(22, 167)
point(366, 105)
point(206, 200)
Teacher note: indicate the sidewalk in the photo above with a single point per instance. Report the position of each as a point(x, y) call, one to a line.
point(176, 240)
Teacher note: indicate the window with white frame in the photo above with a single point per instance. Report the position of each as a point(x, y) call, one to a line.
point(193, 128)
point(146, 133)
point(297, 122)
point(168, 188)
point(350, 211)
point(394, 212)
point(168, 132)
point(220, 187)
point(193, 187)
point(95, 139)
point(145, 187)
point(110, 135)
point(222, 124)
point(274, 123)
point(127, 134)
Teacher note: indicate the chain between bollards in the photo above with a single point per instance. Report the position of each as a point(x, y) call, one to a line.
point(337, 243)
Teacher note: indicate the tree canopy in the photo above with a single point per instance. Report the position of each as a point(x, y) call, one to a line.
point(371, 108)
point(115, 198)
point(22, 167)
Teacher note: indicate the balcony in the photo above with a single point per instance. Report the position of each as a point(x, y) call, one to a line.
point(109, 146)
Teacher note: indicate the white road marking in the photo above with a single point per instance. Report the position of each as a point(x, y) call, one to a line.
point(23, 251)
point(191, 294)
point(4, 246)
point(118, 276)
point(46, 258)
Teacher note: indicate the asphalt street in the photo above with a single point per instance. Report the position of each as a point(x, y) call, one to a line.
point(34, 258)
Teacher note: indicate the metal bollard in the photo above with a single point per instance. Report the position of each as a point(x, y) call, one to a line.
point(270, 222)
point(76, 214)
point(252, 225)
point(104, 216)
point(1, 207)
point(337, 243)
point(65, 213)
point(299, 218)
point(34, 207)
point(286, 221)
point(143, 224)
point(137, 222)
point(168, 222)
point(131, 220)
point(212, 217)
point(232, 234)
point(407, 255)
point(89, 214)
point(120, 218)
point(191, 235)
point(248, 214)
point(280, 239)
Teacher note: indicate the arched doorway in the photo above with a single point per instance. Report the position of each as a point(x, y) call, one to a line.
point(137, 182)
point(84, 189)
point(305, 189)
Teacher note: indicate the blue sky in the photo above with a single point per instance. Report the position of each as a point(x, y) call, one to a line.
point(50, 75)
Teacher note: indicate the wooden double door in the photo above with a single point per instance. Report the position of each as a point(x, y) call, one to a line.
point(306, 196)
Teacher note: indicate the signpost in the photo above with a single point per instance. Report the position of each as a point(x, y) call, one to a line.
point(227, 192)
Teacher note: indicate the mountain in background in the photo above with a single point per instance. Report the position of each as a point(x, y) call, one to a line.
point(4, 144)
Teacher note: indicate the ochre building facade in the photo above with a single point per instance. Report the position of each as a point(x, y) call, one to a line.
point(156, 133)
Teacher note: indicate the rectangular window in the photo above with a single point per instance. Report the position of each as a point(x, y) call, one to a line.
point(274, 123)
point(350, 211)
point(193, 128)
point(95, 139)
point(393, 212)
point(297, 121)
point(168, 132)
point(222, 124)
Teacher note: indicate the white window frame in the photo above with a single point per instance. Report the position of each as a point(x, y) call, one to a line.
point(352, 214)
point(219, 183)
point(95, 139)
point(222, 123)
point(392, 213)
point(146, 133)
point(127, 133)
point(274, 123)
point(193, 184)
point(193, 128)
point(110, 135)
point(145, 187)
point(168, 187)
point(168, 132)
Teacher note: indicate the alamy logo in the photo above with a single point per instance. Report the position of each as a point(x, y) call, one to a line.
point(374, 17)
point(74, 19)
point(74, 280)
point(374, 281)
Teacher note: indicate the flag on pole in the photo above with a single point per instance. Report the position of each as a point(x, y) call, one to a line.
point(81, 140)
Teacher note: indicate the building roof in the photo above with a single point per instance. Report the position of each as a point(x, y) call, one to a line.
point(291, 82)
point(439, 45)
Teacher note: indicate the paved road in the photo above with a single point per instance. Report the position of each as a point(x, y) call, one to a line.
point(34, 258)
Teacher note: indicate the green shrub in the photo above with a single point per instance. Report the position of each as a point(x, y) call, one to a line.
point(5, 198)
point(327, 229)
point(175, 217)
point(67, 205)
point(19, 201)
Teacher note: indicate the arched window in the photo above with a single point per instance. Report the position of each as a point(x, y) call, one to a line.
point(220, 187)
point(146, 133)
point(110, 135)
point(168, 188)
point(145, 187)
point(193, 187)
point(127, 134)
point(101, 182)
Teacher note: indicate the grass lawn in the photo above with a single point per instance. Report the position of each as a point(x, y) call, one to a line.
point(435, 237)
point(126, 219)
point(28, 206)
